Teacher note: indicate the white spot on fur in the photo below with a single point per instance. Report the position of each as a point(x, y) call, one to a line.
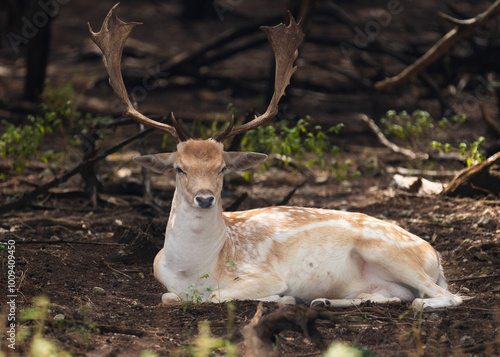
point(380, 234)
point(283, 236)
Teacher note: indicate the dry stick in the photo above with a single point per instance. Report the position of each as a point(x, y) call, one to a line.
point(27, 197)
point(469, 173)
point(461, 29)
point(56, 242)
point(383, 139)
point(474, 278)
point(252, 344)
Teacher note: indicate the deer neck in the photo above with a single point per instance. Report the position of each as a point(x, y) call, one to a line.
point(194, 236)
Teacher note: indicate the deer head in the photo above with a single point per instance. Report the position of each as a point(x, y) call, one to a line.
point(200, 164)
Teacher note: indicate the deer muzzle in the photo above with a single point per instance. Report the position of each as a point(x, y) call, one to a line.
point(204, 199)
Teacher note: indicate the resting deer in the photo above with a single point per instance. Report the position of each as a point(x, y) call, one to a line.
point(282, 254)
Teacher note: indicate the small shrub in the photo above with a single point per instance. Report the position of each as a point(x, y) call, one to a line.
point(32, 336)
point(308, 145)
point(20, 144)
point(420, 132)
point(205, 343)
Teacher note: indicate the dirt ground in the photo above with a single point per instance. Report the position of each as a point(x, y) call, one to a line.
point(65, 247)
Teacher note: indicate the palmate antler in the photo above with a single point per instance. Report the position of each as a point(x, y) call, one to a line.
point(284, 40)
point(111, 40)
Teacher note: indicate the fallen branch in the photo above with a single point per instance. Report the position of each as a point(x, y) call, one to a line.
point(461, 29)
point(27, 197)
point(252, 344)
point(417, 172)
point(382, 47)
point(261, 332)
point(63, 242)
point(383, 139)
point(476, 179)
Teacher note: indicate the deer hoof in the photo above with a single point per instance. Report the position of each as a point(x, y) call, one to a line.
point(169, 299)
point(320, 303)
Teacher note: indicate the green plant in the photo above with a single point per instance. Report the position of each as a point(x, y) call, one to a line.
point(344, 350)
point(308, 145)
point(276, 342)
point(22, 143)
point(485, 270)
point(195, 296)
point(19, 144)
point(420, 132)
point(204, 344)
point(82, 331)
point(32, 336)
point(192, 296)
point(415, 332)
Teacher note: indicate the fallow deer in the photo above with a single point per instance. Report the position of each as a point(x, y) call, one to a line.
point(324, 257)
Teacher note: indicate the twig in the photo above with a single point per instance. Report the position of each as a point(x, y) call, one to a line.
point(461, 29)
point(63, 242)
point(474, 278)
point(120, 272)
point(120, 330)
point(383, 139)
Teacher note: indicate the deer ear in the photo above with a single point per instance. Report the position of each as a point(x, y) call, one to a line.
point(158, 163)
point(240, 161)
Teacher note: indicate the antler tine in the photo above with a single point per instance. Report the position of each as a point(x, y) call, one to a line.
point(285, 41)
point(111, 39)
point(182, 135)
point(221, 135)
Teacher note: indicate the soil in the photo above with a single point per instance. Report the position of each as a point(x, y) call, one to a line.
point(66, 249)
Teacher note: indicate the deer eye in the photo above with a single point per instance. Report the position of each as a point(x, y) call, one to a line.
point(179, 171)
point(223, 170)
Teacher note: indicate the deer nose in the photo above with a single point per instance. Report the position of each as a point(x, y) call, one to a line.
point(204, 198)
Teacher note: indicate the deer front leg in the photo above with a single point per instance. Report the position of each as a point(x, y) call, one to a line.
point(264, 287)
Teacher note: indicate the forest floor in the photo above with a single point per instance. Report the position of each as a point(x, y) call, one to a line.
point(65, 248)
point(63, 251)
